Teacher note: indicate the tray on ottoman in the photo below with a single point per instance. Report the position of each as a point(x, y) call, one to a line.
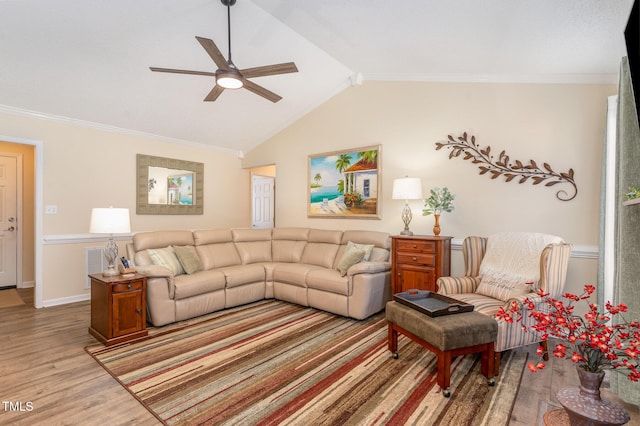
point(432, 304)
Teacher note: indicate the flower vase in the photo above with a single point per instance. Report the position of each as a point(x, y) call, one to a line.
point(585, 407)
point(436, 227)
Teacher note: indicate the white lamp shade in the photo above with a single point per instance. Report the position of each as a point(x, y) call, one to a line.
point(407, 189)
point(109, 221)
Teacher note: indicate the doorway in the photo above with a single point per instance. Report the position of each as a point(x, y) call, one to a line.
point(17, 223)
point(10, 196)
point(263, 197)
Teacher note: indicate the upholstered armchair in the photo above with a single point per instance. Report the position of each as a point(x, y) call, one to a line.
point(505, 267)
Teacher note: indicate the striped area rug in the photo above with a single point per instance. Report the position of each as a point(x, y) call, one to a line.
point(273, 363)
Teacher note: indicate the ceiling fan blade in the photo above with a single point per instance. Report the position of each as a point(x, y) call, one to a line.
point(214, 52)
point(269, 70)
point(260, 91)
point(214, 93)
point(171, 70)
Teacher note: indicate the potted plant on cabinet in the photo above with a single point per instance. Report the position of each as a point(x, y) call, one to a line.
point(440, 200)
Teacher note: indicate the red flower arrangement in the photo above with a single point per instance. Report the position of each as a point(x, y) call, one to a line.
point(596, 342)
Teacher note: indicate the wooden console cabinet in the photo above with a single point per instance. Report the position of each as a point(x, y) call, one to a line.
point(118, 308)
point(418, 261)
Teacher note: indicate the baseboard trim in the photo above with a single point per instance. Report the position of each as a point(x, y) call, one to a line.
point(66, 300)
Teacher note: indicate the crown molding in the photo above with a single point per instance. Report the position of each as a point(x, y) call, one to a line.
point(107, 128)
point(499, 78)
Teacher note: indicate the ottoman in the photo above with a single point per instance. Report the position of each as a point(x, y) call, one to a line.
point(447, 336)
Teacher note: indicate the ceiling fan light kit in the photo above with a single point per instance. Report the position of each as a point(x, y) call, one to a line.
point(227, 75)
point(229, 79)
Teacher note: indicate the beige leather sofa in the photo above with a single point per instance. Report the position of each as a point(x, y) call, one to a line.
point(240, 266)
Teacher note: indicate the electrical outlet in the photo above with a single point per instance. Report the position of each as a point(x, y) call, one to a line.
point(51, 209)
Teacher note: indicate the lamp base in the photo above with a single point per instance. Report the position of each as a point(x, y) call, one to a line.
point(406, 232)
point(111, 272)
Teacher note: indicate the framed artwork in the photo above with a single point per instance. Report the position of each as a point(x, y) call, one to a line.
point(169, 186)
point(345, 184)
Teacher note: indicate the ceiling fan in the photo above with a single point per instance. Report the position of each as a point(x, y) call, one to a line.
point(228, 76)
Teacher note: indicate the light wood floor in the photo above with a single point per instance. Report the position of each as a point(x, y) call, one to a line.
point(43, 363)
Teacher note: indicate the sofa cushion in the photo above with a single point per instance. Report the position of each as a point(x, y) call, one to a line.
point(293, 273)
point(166, 257)
point(328, 280)
point(288, 244)
point(188, 258)
point(321, 248)
point(160, 239)
point(380, 240)
point(483, 304)
point(350, 256)
point(254, 251)
point(376, 238)
point(212, 236)
point(253, 245)
point(218, 255)
point(198, 283)
point(243, 274)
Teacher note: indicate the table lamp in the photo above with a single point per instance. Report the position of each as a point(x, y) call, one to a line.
point(407, 189)
point(110, 221)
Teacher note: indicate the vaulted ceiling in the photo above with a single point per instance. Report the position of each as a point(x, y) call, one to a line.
point(88, 60)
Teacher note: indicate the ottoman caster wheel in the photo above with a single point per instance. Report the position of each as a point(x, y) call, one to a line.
point(395, 355)
point(492, 382)
point(446, 393)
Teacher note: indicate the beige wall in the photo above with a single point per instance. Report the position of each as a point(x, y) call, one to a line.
point(86, 167)
point(563, 125)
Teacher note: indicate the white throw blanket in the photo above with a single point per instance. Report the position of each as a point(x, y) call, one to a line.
point(512, 259)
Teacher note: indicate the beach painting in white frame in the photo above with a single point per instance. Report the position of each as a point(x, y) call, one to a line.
point(345, 184)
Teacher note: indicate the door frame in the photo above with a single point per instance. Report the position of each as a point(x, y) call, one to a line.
point(19, 209)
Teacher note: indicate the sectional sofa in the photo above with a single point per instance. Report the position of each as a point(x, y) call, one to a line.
point(191, 273)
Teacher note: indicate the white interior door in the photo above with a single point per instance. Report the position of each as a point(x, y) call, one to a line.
point(8, 221)
point(263, 204)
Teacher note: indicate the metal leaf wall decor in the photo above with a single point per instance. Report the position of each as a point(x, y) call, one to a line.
point(504, 166)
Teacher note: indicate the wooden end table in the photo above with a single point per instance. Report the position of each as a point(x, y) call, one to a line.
point(118, 308)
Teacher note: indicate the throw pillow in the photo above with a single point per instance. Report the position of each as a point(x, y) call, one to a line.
point(366, 247)
point(188, 258)
point(504, 289)
point(350, 257)
point(166, 257)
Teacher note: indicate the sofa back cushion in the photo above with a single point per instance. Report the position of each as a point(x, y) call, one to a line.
point(161, 239)
point(381, 242)
point(321, 248)
point(215, 248)
point(253, 245)
point(288, 244)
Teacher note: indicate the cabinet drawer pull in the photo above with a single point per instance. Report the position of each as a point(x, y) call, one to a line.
point(415, 258)
point(139, 311)
point(129, 286)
